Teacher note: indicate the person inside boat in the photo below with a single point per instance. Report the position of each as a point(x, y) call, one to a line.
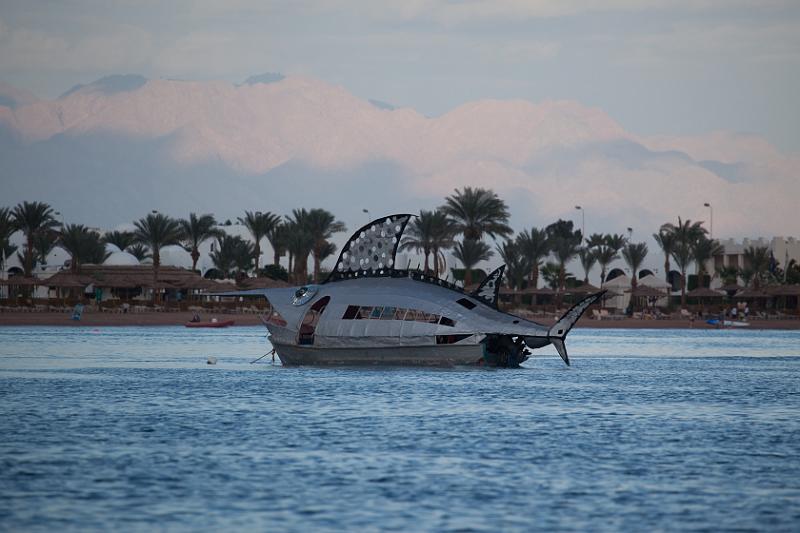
point(195, 317)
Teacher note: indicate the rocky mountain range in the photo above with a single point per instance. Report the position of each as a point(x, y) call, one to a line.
point(111, 150)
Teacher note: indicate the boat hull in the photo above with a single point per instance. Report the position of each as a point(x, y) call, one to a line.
point(437, 355)
point(219, 324)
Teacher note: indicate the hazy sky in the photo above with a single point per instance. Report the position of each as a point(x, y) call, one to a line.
point(675, 67)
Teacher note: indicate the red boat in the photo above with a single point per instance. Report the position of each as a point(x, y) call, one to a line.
point(211, 324)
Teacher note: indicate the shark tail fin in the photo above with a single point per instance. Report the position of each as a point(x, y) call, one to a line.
point(558, 332)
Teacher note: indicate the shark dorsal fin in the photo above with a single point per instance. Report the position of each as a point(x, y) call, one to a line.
point(371, 251)
point(489, 288)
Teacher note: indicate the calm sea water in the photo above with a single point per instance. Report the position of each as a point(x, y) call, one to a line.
point(129, 428)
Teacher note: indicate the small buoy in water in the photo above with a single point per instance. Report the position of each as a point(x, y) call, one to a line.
point(211, 360)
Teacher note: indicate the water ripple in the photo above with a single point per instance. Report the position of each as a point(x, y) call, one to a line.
point(128, 428)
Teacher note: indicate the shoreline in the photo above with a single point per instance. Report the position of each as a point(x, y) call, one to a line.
point(180, 318)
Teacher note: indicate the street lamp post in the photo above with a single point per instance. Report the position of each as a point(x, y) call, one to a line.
point(630, 234)
point(369, 218)
point(711, 212)
point(583, 220)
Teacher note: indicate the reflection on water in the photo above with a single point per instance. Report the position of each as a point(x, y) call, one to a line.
point(130, 428)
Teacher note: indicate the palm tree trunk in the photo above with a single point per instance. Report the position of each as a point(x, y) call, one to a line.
point(29, 256)
point(666, 269)
point(156, 264)
point(276, 259)
point(683, 288)
point(634, 284)
point(257, 252)
point(427, 268)
point(195, 257)
point(436, 262)
point(316, 267)
point(535, 275)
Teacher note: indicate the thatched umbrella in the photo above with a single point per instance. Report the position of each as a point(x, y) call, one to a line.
point(586, 288)
point(20, 281)
point(262, 283)
point(704, 293)
point(784, 290)
point(646, 291)
point(753, 294)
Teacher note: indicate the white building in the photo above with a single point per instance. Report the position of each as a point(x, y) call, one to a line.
point(783, 249)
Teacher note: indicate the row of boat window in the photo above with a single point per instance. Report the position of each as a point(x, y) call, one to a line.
point(355, 312)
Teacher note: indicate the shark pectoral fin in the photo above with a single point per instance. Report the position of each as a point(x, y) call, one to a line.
point(561, 348)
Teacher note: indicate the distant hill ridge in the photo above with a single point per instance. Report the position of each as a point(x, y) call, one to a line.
point(128, 133)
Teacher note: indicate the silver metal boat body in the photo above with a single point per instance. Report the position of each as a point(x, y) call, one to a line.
point(370, 313)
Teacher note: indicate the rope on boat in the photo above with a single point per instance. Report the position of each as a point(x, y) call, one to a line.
point(271, 352)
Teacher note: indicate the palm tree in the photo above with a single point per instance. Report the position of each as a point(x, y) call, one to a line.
point(757, 259)
point(728, 274)
point(33, 219)
point(605, 255)
point(321, 224)
point(196, 230)
point(704, 250)
point(666, 241)
point(685, 234)
point(516, 265)
point(419, 236)
point(747, 274)
point(277, 239)
point(299, 243)
point(563, 250)
point(232, 253)
point(6, 230)
point(534, 246)
point(441, 237)
point(477, 211)
point(258, 224)
point(588, 258)
point(615, 241)
point(596, 240)
point(120, 239)
point(471, 252)
point(551, 273)
point(84, 246)
point(139, 251)
point(155, 231)
point(634, 255)
point(43, 244)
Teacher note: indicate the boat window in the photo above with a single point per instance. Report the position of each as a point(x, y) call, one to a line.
point(466, 303)
point(309, 325)
point(444, 321)
point(351, 312)
point(450, 339)
point(354, 312)
point(272, 316)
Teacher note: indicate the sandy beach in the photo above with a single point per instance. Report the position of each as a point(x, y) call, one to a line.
point(93, 319)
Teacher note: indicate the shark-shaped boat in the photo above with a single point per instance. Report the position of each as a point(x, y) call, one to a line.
point(368, 312)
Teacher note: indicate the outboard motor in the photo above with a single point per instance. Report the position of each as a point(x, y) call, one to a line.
point(504, 351)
